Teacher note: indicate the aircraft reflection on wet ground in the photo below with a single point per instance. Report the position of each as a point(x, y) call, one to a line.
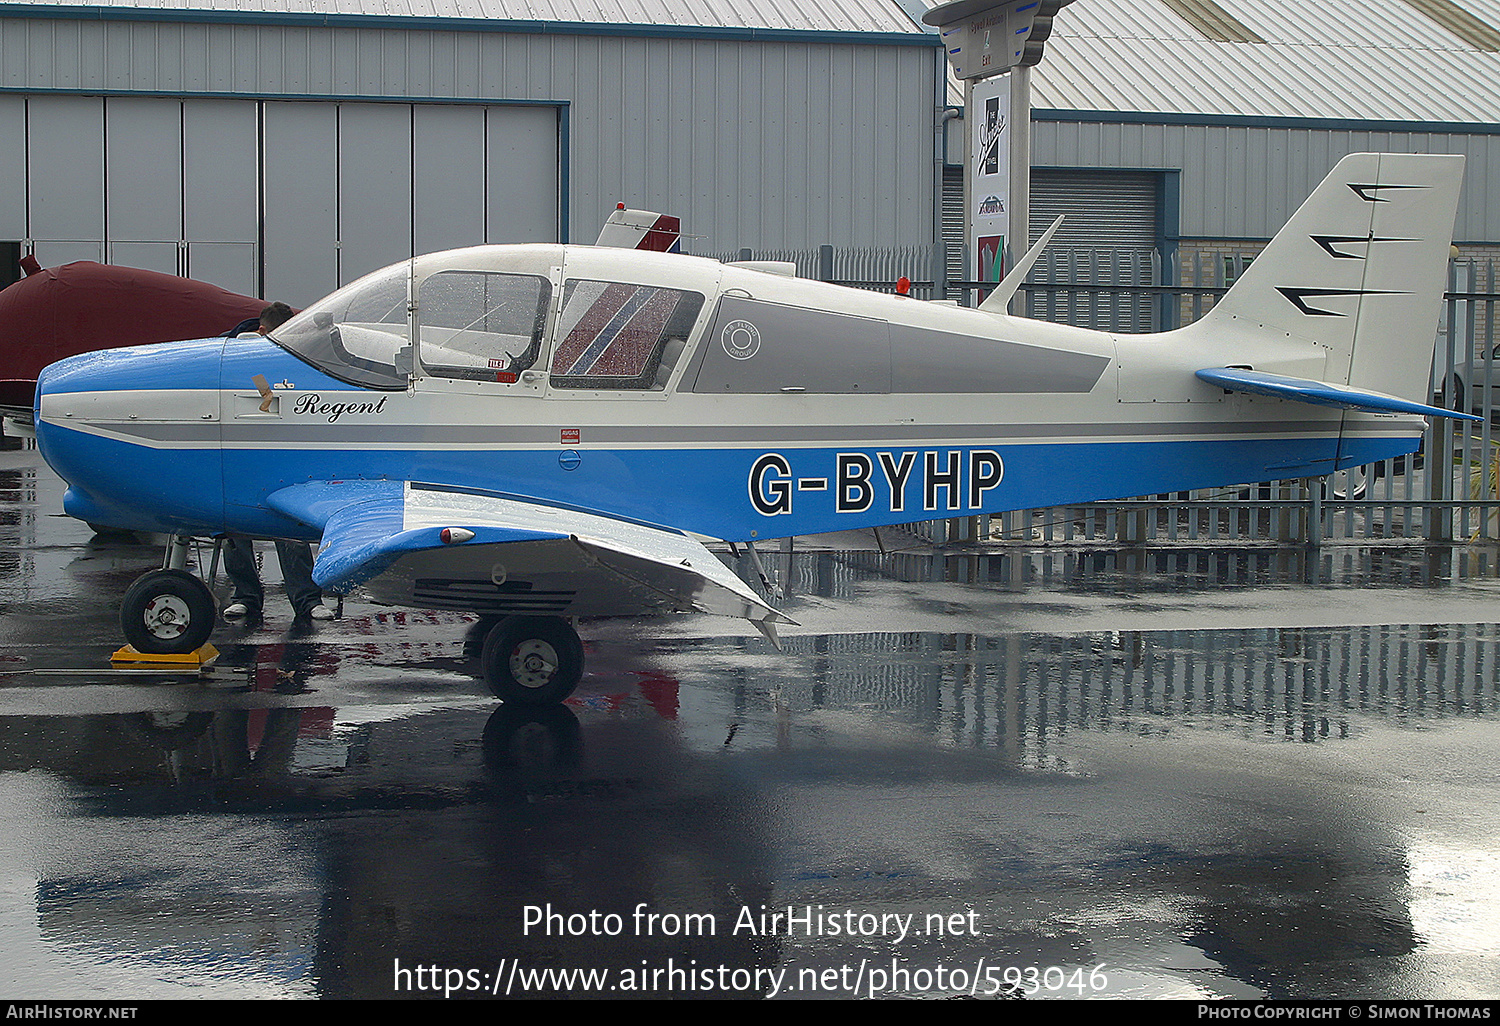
point(1225, 773)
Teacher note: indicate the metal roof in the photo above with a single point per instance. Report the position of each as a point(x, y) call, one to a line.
point(1417, 61)
point(1377, 60)
point(862, 17)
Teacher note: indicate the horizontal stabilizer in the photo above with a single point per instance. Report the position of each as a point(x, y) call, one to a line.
point(1319, 393)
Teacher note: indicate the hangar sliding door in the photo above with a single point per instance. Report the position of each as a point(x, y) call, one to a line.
point(375, 187)
point(164, 184)
point(523, 162)
point(352, 187)
point(281, 199)
point(143, 182)
point(13, 169)
point(221, 193)
point(300, 206)
point(65, 177)
point(448, 176)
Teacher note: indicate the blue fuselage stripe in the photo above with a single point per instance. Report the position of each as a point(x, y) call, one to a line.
point(736, 494)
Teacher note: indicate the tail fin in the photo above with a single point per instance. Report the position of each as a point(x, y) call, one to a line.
point(641, 229)
point(1360, 269)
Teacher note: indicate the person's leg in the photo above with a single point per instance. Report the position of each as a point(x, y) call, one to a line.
point(296, 573)
point(239, 567)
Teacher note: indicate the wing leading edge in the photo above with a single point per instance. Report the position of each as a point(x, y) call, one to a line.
point(521, 557)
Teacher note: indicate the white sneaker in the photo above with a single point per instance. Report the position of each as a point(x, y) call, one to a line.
point(320, 612)
point(236, 611)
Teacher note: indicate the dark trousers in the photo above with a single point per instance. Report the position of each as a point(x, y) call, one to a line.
point(296, 560)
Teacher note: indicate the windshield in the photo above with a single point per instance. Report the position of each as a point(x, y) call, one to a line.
point(359, 334)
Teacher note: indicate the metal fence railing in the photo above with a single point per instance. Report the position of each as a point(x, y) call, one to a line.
point(1448, 491)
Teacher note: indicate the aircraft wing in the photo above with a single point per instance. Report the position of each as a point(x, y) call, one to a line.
point(507, 555)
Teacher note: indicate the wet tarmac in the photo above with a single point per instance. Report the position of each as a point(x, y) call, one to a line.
point(1176, 772)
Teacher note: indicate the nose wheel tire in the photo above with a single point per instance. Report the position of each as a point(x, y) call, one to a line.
point(167, 612)
point(532, 660)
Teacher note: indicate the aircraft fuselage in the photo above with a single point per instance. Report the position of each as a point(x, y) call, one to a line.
point(781, 407)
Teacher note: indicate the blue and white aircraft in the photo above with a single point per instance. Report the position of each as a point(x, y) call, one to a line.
point(543, 432)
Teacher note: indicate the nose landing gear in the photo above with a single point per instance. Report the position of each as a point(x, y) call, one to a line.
point(168, 611)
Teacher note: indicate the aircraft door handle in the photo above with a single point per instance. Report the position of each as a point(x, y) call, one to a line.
point(253, 404)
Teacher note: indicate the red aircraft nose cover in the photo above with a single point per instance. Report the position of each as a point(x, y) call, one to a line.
point(84, 306)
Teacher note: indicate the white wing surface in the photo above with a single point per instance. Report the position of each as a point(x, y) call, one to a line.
point(431, 547)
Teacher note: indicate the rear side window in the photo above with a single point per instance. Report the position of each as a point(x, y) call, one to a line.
point(613, 335)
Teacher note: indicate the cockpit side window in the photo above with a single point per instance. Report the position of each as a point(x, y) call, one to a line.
point(613, 335)
point(358, 334)
point(481, 325)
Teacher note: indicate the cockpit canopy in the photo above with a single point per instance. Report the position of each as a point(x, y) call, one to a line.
point(483, 314)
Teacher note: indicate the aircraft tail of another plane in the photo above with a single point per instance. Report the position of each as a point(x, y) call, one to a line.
point(1358, 270)
point(641, 229)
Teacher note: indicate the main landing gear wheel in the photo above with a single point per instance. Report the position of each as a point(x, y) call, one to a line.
point(532, 660)
point(167, 612)
point(1352, 483)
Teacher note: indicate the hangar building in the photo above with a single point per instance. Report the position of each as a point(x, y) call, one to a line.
point(281, 148)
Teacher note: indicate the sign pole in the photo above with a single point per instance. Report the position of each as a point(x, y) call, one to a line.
point(971, 265)
point(1002, 40)
point(1019, 234)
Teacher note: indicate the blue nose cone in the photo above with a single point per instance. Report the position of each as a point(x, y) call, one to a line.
point(135, 434)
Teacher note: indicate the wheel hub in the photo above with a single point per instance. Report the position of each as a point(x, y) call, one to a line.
point(533, 663)
point(167, 617)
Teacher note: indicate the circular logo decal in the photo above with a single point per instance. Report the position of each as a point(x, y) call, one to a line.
point(741, 339)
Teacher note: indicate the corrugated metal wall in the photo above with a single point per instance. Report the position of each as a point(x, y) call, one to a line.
point(283, 198)
point(767, 144)
point(1245, 182)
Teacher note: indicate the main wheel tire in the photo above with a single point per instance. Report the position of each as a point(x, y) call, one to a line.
point(1350, 484)
point(1451, 395)
point(167, 612)
point(532, 660)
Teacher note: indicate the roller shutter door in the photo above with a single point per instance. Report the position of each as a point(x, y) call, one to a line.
point(953, 220)
point(1108, 239)
point(1104, 208)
